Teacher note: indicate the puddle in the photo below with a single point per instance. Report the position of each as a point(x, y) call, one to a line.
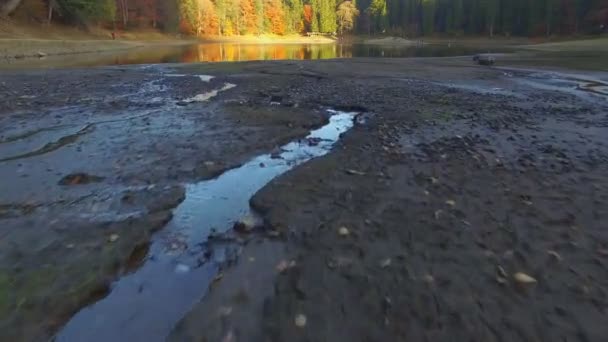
point(208, 95)
point(145, 305)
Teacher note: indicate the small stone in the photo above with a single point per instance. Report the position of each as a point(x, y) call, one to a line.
point(555, 255)
point(251, 259)
point(41, 54)
point(502, 272)
point(451, 203)
point(273, 233)
point(343, 231)
point(354, 172)
point(501, 280)
point(69, 246)
point(385, 263)
point(225, 311)
point(434, 180)
point(438, 214)
point(523, 278)
point(113, 238)
point(284, 265)
point(247, 224)
point(428, 278)
point(209, 164)
point(218, 277)
point(300, 321)
point(338, 262)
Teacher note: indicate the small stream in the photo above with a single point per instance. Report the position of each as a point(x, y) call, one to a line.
point(145, 305)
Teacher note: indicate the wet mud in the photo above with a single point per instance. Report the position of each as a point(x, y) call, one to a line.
point(468, 203)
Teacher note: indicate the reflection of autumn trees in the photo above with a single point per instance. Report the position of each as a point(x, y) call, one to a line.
point(227, 52)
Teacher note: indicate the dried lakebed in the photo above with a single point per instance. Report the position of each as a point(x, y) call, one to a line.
point(183, 258)
point(469, 206)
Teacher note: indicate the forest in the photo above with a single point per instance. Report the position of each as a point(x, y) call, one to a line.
point(407, 18)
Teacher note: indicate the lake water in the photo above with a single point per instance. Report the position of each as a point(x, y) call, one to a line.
point(233, 52)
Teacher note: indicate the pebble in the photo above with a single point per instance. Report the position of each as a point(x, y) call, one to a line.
point(555, 255)
point(225, 311)
point(113, 238)
point(343, 231)
point(385, 263)
point(428, 278)
point(247, 223)
point(523, 278)
point(300, 321)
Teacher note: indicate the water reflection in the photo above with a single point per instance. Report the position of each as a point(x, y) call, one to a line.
point(233, 52)
point(250, 52)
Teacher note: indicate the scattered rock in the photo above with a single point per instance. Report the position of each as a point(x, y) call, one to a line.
point(300, 321)
point(41, 54)
point(79, 179)
point(209, 164)
point(273, 234)
point(451, 203)
point(313, 141)
point(225, 311)
point(484, 60)
point(338, 262)
point(343, 231)
point(218, 277)
point(276, 99)
point(276, 153)
point(502, 272)
point(385, 263)
point(428, 278)
point(555, 255)
point(354, 172)
point(113, 238)
point(247, 224)
point(523, 278)
point(284, 265)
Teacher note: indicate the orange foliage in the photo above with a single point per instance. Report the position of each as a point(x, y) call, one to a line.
point(273, 10)
point(307, 18)
point(249, 17)
point(207, 21)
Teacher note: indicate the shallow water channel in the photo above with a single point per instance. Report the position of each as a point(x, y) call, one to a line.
point(146, 304)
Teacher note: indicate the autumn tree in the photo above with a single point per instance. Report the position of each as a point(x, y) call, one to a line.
point(248, 17)
point(275, 16)
point(207, 19)
point(346, 14)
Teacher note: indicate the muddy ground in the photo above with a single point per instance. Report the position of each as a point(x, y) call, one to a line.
point(418, 226)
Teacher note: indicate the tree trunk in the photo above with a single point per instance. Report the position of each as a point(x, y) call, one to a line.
point(9, 6)
point(50, 16)
point(124, 9)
